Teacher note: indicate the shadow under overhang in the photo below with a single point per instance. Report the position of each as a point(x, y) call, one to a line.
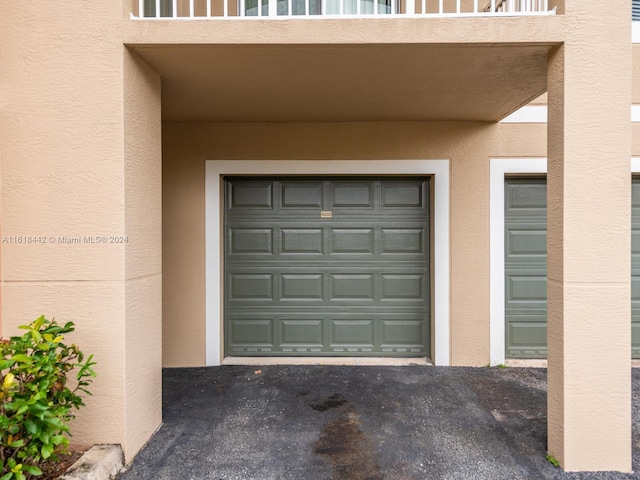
point(344, 83)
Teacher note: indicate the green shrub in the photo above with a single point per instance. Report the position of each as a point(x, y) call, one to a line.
point(36, 401)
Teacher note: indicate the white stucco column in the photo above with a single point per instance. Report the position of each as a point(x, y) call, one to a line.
point(589, 400)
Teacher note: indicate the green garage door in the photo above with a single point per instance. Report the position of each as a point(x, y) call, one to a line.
point(526, 268)
point(525, 219)
point(635, 268)
point(327, 266)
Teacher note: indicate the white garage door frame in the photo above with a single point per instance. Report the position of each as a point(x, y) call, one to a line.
point(216, 170)
point(499, 168)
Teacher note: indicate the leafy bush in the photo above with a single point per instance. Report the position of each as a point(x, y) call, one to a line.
point(36, 403)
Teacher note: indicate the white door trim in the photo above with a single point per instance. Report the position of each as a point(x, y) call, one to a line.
point(215, 170)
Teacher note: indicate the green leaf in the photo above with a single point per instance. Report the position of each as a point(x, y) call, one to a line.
point(38, 322)
point(6, 363)
point(31, 427)
point(69, 327)
point(32, 470)
point(17, 444)
point(7, 476)
point(46, 450)
point(552, 460)
point(55, 422)
point(22, 358)
point(22, 410)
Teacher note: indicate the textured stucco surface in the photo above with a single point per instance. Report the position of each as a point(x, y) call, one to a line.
point(589, 240)
point(62, 175)
point(375, 69)
point(72, 182)
point(95, 308)
point(143, 252)
point(352, 82)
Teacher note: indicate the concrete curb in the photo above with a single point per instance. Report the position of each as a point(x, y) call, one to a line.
point(100, 462)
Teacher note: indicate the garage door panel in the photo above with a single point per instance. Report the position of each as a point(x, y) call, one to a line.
point(302, 287)
point(345, 333)
point(246, 287)
point(354, 286)
point(635, 335)
point(526, 287)
point(528, 243)
point(305, 241)
point(391, 241)
point(251, 195)
point(352, 240)
point(251, 241)
point(524, 196)
point(635, 288)
point(251, 331)
point(403, 194)
point(403, 241)
point(635, 240)
point(317, 285)
point(302, 332)
point(352, 194)
point(527, 336)
point(402, 333)
point(336, 334)
point(635, 194)
point(354, 281)
point(403, 287)
point(302, 195)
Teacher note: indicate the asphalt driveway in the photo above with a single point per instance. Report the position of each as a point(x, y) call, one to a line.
point(356, 423)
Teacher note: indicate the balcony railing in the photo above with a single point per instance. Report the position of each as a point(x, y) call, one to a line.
point(278, 9)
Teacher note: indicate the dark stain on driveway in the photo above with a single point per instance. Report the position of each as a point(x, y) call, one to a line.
point(333, 401)
point(343, 443)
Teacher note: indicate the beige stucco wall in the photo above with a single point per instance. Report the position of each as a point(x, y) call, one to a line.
point(589, 240)
point(186, 146)
point(76, 164)
point(143, 252)
point(63, 176)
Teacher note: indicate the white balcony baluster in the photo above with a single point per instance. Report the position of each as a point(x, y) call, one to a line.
point(379, 8)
